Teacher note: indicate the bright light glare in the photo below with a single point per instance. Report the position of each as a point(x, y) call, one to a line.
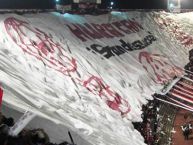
point(171, 5)
point(57, 0)
point(112, 3)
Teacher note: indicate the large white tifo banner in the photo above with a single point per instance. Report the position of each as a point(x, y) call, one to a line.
point(90, 73)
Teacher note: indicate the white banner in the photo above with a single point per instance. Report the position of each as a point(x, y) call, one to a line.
point(97, 71)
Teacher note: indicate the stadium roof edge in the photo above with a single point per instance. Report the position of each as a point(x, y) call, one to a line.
point(102, 10)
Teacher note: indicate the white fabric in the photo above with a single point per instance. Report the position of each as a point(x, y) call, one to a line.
point(47, 69)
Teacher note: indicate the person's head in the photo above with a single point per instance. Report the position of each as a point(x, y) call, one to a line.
point(3, 133)
point(8, 121)
point(38, 136)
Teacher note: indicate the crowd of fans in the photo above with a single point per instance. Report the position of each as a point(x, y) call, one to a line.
point(187, 127)
point(25, 137)
point(189, 66)
point(149, 128)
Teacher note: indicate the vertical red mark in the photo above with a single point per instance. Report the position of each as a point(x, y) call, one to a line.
point(1, 95)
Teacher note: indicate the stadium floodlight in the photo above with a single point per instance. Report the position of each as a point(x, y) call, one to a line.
point(98, 1)
point(174, 5)
point(112, 3)
point(171, 5)
point(87, 1)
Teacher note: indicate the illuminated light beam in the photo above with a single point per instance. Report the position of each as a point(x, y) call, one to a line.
point(180, 103)
point(186, 78)
point(182, 93)
point(190, 72)
point(184, 89)
point(186, 85)
point(180, 106)
point(181, 97)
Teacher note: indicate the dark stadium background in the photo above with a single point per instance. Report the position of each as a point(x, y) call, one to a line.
point(121, 4)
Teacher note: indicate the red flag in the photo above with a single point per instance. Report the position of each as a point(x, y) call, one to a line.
point(1, 95)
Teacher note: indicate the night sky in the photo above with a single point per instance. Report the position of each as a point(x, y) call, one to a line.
point(27, 4)
point(119, 4)
point(138, 4)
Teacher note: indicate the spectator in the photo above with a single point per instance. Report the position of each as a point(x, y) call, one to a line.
point(186, 131)
point(3, 134)
point(26, 137)
point(8, 121)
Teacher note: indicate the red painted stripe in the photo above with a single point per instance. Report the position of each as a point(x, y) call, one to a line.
point(1, 95)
